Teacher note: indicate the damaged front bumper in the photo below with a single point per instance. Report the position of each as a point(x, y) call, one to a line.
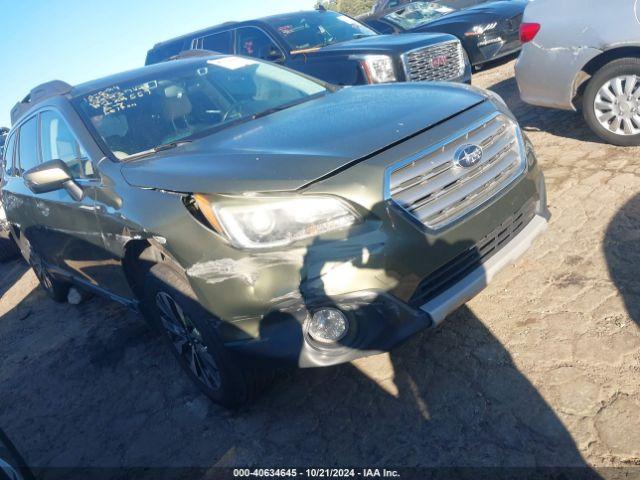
point(379, 321)
point(382, 282)
point(390, 275)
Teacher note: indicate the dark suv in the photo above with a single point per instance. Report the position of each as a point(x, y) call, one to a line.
point(258, 217)
point(332, 47)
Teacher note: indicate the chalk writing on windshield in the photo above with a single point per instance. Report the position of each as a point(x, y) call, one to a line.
point(115, 99)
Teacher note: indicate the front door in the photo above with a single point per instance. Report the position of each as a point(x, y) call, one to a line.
point(62, 231)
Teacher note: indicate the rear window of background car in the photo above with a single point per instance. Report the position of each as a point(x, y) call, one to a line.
point(28, 145)
point(218, 42)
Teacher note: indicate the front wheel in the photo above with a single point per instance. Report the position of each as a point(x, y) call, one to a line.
point(611, 102)
point(54, 287)
point(189, 331)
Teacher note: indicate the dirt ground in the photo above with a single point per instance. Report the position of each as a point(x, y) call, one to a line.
point(542, 369)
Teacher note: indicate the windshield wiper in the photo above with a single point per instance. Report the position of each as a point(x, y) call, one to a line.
point(270, 111)
point(159, 148)
point(170, 145)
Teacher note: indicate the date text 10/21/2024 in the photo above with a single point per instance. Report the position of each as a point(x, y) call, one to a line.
point(316, 473)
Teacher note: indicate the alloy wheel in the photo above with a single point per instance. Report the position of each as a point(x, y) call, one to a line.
point(42, 274)
point(617, 105)
point(187, 341)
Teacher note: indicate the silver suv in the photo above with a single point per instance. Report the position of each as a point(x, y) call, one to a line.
point(585, 54)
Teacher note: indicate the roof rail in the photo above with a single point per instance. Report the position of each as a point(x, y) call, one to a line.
point(192, 54)
point(37, 95)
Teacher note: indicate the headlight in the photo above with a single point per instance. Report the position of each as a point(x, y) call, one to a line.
point(378, 68)
point(481, 29)
point(276, 222)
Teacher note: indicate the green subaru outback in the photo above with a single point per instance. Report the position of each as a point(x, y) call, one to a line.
point(260, 218)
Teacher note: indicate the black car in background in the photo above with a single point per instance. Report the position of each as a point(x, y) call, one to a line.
point(488, 30)
point(332, 47)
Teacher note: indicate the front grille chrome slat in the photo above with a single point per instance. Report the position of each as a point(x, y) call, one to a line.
point(480, 196)
point(484, 135)
point(437, 191)
point(453, 176)
point(461, 188)
point(440, 62)
point(466, 191)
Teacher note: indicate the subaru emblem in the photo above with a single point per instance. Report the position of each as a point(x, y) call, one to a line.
point(468, 156)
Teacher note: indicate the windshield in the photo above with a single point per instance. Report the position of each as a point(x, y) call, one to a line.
point(189, 101)
point(318, 29)
point(417, 14)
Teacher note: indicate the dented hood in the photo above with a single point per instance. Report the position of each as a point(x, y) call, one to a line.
point(288, 149)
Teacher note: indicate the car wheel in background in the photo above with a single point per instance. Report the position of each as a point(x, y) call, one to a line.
point(611, 102)
point(189, 331)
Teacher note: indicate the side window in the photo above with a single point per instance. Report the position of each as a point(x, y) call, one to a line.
point(253, 42)
point(218, 42)
point(28, 145)
point(381, 27)
point(59, 143)
point(9, 149)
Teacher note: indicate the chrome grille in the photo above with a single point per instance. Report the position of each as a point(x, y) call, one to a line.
point(444, 61)
point(437, 191)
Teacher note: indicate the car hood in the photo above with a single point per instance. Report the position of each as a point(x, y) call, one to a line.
point(384, 43)
point(286, 150)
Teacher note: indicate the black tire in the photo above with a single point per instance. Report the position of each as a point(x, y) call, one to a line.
point(616, 68)
point(55, 288)
point(8, 250)
point(214, 369)
point(9, 454)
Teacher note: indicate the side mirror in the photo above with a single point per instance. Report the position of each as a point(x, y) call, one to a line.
point(51, 176)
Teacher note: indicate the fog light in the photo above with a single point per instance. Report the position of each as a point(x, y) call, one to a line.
point(328, 325)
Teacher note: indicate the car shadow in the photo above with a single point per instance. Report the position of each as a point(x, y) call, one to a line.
point(560, 123)
point(622, 252)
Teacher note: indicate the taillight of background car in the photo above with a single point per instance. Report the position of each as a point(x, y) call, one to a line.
point(528, 31)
